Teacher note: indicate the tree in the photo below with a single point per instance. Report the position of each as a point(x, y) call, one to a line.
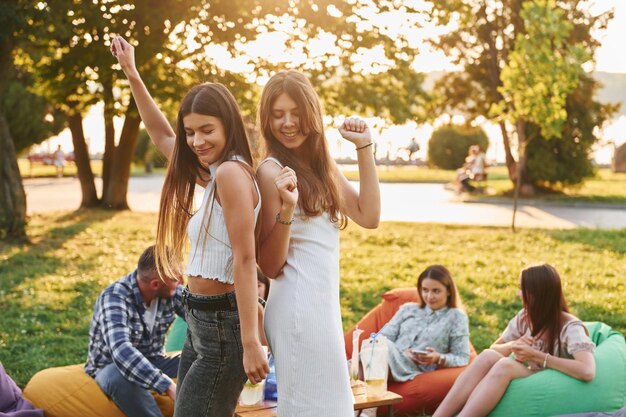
point(483, 36)
point(566, 162)
point(78, 36)
point(12, 196)
point(538, 93)
point(388, 88)
point(173, 37)
point(30, 117)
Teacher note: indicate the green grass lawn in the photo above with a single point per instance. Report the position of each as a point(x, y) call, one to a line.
point(604, 187)
point(48, 287)
point(405, 174)
point(39, 170)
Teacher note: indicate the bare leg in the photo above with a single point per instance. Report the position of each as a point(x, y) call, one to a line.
point(491, 389)
point(466, 382)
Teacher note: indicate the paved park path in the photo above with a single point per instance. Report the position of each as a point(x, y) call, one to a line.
point(400, 202)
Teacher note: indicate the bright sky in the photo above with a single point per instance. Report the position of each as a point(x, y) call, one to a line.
point(610, 58)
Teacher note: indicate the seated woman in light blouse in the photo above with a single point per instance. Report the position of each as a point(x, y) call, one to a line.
point(431, 334)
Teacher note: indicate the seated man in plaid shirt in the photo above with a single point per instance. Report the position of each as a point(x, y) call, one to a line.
point(126, 355)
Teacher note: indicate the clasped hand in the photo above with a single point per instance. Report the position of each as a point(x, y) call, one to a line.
point(356, 131)
point(523, 349)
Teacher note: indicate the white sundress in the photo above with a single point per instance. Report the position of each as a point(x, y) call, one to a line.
point(303, 324)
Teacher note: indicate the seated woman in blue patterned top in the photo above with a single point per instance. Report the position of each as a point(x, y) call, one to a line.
point(431, 334)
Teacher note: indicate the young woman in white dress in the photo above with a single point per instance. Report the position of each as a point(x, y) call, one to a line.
point(306, 201)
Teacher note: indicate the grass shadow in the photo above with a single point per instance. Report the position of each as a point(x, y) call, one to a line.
point(614, 240)
point(35, 258)
point(46, 297)
point(588, 311)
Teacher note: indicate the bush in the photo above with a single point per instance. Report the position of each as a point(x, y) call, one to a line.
point(558, 163)
point(448, 145)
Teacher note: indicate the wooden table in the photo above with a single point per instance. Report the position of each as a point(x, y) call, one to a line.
point(389, 399)
point(268, 408)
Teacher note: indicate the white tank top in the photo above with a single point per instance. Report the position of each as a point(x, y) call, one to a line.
point(211, 255)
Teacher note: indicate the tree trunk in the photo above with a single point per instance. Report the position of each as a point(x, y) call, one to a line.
point(12, 195)
point(82, 160)
point(115, 195)
point(521, 166)
point(511, 164)
point(493, 71)
point(109, 135)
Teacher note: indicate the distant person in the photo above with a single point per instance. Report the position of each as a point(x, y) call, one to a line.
point(478, 167)
point(59, 161)
point(412, 148)
point(474, 168)
point(127, 334)
point(542, 335)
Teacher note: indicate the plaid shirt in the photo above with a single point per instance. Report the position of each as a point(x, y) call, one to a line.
point(118, 333)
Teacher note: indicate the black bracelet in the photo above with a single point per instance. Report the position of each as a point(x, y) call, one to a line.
point(365, 146)
point(281, 221)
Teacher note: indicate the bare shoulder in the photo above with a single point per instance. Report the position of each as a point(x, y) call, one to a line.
point(231, 172)
point(268, 171)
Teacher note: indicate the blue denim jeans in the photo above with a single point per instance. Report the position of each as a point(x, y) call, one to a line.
point(211, 374)
point(132, 399)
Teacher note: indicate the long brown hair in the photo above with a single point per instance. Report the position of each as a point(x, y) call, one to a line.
point(318, 182)
point(184, 167)
point(544, 302)
point(439, 273)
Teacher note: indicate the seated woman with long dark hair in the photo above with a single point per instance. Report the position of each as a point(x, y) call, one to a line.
point(542, 335)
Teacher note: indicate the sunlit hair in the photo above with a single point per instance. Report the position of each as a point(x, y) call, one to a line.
point(543, 301)
point(440, 273)
point(318, 182)
point(146, 264)
point(176, 207)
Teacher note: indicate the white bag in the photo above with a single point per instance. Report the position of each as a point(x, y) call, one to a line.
point(375, 359)
point(252, 394)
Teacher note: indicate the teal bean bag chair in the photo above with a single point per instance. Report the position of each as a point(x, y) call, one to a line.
point(551, 393)
point(176, 337)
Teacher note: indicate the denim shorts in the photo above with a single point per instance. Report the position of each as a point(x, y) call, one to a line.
point(211, 373)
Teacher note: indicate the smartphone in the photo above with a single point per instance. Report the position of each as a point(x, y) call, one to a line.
point(420, 352)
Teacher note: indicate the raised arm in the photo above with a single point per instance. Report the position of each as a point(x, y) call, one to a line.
point(280, 196)
point(238, 197)
point(159, 129)
point(363, 206)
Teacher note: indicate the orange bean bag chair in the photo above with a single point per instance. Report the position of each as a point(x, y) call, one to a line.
point(67, 391)
point(424, 393)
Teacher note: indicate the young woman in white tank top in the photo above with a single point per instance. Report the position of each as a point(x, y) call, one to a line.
point(306, 200)
point(209, 149)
